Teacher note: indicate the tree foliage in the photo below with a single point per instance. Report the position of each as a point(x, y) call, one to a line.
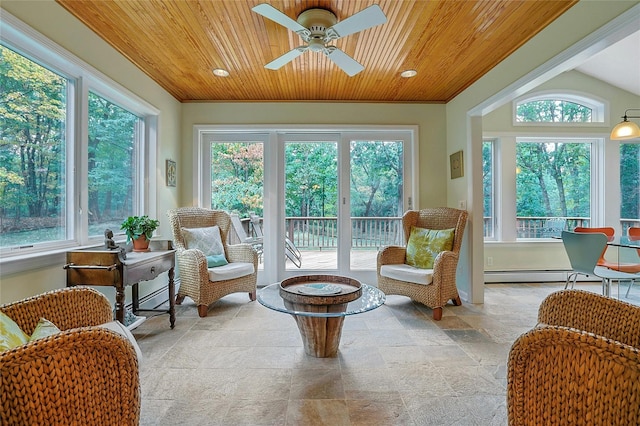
point(553, 179)
point(311, 178)
point(111, 160)
point(32, 138)
point(553, 111)
point(237, 174)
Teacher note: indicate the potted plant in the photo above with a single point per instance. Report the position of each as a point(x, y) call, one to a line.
point(139, 229)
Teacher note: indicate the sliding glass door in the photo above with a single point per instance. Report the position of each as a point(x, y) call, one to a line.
point(318, 202)
point(311, 203)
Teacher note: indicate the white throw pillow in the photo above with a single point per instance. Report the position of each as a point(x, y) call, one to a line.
point(120, 328)
point(207, 240)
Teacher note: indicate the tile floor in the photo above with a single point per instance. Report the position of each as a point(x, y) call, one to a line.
point(244, 364)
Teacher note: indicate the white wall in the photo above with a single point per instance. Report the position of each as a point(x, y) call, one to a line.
point(55, 23)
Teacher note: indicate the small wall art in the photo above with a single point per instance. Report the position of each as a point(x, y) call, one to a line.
point(457, 168)
point(171, 177)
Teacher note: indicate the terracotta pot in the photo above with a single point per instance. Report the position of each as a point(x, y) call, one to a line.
point(141, 243)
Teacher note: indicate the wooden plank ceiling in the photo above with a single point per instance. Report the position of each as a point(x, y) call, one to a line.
point(450, 44)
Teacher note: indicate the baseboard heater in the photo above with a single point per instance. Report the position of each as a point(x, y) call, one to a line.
point(155, 299)
point(532, 276)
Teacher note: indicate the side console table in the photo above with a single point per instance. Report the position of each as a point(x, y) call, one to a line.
point(119, 268)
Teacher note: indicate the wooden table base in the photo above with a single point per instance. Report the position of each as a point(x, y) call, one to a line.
point(320, 335)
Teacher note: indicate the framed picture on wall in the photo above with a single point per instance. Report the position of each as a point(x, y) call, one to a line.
point(171, 177)
point(457, 169)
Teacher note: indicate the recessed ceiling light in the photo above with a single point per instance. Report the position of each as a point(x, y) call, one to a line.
point(220, 72)
point(408, 73)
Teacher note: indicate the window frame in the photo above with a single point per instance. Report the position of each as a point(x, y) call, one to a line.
point(83, 78)
point(602, 184)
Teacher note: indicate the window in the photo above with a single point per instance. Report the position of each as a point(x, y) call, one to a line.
point(553, 111)
point(33, 172)
point(551, 108)
point(553, 186)
point(75, 148)
point(629, 185)
point(115, 142)
point(488, 188)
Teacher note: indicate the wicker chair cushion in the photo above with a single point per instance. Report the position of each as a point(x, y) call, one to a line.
point(424, 245)
point(402, 272)
point(121, 329)
point(45, 328)
point(231, 271)
point(207, 240)
point(11, 335)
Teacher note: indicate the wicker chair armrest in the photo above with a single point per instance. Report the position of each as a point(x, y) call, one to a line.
point(83, 376)
point(562, 373)
point(583, 310)
point(391, 255)
point(242, 253)
point(192, 264)
point(67, 308)
point(445, 260)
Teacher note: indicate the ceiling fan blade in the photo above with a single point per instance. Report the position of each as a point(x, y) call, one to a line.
point(366, 18)
point(286, 58)
point(344, 61)
point(276, 16)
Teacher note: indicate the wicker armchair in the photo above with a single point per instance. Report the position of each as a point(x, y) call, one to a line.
point(84, 375)
point(195, 277)
point(438, 285)
point(579, 366)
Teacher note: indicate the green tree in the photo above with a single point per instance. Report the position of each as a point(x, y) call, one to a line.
point(630, 181)
point(111, 153)
point(553, 179)
point(237, 177)
point(32, 129)
point(311, 183)
point(376, 178)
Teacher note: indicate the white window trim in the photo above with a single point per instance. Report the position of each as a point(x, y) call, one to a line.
point(599, 107)
point(36, 46)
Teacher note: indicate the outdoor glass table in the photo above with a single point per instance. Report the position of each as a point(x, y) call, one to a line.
point(320, 331)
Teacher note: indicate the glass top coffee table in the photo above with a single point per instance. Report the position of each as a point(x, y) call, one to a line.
point(319, 304)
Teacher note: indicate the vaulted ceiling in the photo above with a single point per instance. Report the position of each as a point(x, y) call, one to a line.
point(450, 44)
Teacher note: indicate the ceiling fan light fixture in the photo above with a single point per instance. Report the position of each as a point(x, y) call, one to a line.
point(408, 73)
point(219, 72)
point(626, 129)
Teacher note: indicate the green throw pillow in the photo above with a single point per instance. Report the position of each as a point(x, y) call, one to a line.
point(45, 328)
point(216, 260)
point(424, 245)
point(11, 335)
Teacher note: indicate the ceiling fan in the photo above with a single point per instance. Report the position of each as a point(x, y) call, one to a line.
point(318, 27)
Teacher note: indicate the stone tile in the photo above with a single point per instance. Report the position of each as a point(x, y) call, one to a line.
point(256, 413)
point(317, 384)
point(460, 411)
point(385, 412)
point(244, 364)
point(317, 412)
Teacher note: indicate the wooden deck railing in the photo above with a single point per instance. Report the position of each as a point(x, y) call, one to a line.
point(322, 233)
point(318, 233)
point(545, 227)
